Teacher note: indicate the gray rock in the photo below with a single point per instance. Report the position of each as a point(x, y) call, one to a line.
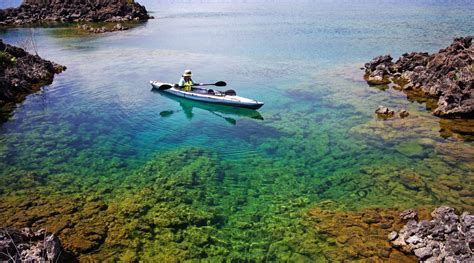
point(467, 222)
point(414, 240)
point(399, 242)
point(447, 237)
point(423, 252)
point(28, 246)
point(392, 236)
point(442, 212)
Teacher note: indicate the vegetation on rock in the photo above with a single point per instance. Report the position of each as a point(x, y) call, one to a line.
point(22, 73)
point(34, 11)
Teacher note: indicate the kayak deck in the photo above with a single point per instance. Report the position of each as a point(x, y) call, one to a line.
point(209, 96)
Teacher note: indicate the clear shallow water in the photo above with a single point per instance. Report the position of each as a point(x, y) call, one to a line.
point(99, 134)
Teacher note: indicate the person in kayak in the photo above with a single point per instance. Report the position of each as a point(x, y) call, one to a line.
point(186, 82)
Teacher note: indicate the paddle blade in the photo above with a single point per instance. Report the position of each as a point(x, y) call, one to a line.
point(221, 84)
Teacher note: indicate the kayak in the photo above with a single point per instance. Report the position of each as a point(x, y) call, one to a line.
point(216, 109)
point(210, 96)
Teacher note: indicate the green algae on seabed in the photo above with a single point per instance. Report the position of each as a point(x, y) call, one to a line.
point(81, 173)
point(70, 29)
point(173, 209)
point(193, 204)
point(410, 148)
point(187, 204)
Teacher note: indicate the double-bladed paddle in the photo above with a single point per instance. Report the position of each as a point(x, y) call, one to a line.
point(169, 86)
point(218, 84)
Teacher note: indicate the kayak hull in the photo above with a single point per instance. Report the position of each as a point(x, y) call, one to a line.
point(203, 96)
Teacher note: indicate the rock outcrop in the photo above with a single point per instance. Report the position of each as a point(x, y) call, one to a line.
point(22, 73)
point(447, 75)
point(446, 238)
point(386, 113)
point(28, 246)
point(102, 29)
point(34, 11)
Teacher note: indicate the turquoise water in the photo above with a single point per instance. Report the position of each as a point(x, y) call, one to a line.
point(98, 132)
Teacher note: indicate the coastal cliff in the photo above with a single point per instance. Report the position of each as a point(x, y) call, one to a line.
point(447, 75)
point(34, 11)
point(22, 73)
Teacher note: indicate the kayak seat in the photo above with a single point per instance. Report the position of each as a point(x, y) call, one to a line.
point(230, 92)
point(211, 91)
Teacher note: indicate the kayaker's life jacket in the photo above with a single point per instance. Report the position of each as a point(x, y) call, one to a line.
point(188, 85)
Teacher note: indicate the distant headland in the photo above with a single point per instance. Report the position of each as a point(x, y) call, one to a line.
point(43, 11)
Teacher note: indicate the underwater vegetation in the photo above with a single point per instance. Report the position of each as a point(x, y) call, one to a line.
point(274, 186)
point(191, 203)
point(176, 207)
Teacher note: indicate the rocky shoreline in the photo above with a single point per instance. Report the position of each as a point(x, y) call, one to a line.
point(27, 246)
point(447, 237)
point(102, 29)
point(447, 75)
point(22, 73)
point(40, 11)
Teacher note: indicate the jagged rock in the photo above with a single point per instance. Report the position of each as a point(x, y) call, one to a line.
point(384, 112)
point(378, 77)
point(27, 246)
point(103, 29)
point(32, 11)
point(445, 238)
point(447, 75)
point(21, 73)
point(423, 253)
point(403, 113)
point(392, 236)
point(378, 70)
point(385, 60)
point(409, 214)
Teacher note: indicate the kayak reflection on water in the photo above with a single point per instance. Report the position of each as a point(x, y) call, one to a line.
point(217, 110)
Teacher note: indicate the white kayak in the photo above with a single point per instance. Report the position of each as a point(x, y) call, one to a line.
point(209, 96)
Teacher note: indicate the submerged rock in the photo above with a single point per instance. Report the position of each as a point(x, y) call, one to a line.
point(403, 113)
point(33, 11)
point(447, 237)
point(358, 235)
point(103, 29)
point(384, 112)
point(28, 246)
point(447, 75)
point(409, 214)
